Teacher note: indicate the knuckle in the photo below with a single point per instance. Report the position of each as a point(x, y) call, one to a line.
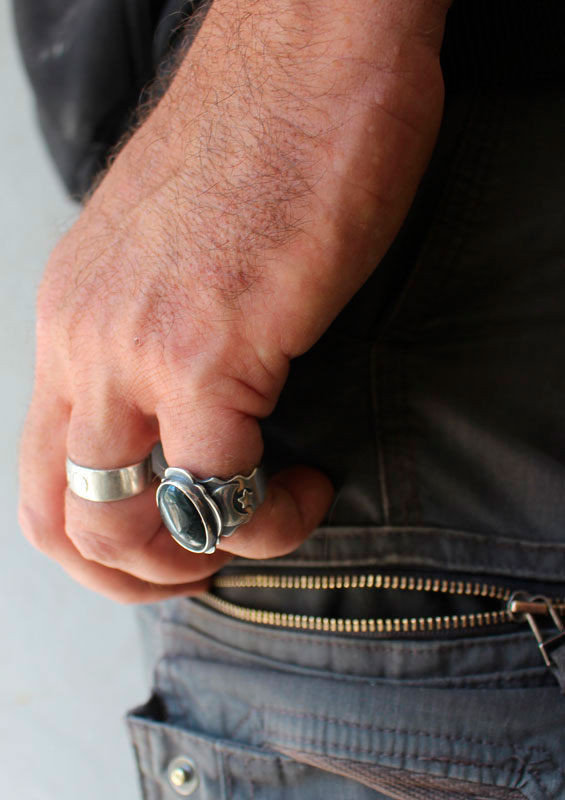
point(36, 530)
point(54, 285)
point(136, 591)
point(94, 546)
point(46, 321)
point(126, 596)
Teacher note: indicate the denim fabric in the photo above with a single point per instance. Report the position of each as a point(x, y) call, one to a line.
point(436, 404)
point(266, 713)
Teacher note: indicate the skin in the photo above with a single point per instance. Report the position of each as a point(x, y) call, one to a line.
point(235, 224)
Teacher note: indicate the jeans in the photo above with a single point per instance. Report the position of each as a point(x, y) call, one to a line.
point(268, 714)
point(436, 404)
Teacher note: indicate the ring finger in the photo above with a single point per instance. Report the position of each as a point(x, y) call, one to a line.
point(127, 534)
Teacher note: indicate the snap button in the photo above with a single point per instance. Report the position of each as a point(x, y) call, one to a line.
point(182, 775)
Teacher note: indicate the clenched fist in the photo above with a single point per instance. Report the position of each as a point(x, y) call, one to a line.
point(238, 220)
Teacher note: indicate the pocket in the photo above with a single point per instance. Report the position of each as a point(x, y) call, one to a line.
point(458, 610)
point(405, 785)
point(175, 762)
point(267, 713)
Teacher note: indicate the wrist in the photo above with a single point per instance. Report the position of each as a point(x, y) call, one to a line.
point(290, 144)
point(306, 61)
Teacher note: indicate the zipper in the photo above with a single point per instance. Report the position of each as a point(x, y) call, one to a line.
point(524, 607)
point(513, 606)
point(377, 625)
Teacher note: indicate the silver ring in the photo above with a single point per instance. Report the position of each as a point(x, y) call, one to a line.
point(108, 485)
point(198, 512)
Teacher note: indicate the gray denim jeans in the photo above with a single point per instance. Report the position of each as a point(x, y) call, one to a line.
point(436, 403)
point(270, 714)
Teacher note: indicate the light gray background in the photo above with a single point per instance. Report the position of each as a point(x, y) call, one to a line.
point(71, 661)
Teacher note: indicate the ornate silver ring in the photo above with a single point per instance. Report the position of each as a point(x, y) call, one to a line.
point(199, 512)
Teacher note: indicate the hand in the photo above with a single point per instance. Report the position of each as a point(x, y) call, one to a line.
point(232, 228)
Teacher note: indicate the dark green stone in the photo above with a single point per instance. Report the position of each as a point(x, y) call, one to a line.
point(181, 518)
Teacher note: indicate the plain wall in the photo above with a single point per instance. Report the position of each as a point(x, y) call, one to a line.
point(71, 661)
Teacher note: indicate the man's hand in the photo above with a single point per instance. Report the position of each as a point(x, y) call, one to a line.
point(232, 228)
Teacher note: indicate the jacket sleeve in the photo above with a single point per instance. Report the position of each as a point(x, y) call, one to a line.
point(88, 62)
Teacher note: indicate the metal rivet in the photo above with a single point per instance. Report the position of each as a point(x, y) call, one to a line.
point(182, 775)
point(179, 776)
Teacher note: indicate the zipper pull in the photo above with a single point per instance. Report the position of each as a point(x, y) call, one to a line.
point(552, 646)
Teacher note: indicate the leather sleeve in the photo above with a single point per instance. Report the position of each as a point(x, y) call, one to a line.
point(88, 62)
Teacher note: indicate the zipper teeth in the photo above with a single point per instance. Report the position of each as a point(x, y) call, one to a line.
point(370, 581)
point(386, 625)
point(352, 625)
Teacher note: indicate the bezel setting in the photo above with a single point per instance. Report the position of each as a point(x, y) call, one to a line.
point(221, 505)
point(203, 504)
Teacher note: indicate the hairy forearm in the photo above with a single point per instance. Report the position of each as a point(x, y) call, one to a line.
point(287, 149)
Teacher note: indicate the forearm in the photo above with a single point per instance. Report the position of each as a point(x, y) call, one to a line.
point(289, 145)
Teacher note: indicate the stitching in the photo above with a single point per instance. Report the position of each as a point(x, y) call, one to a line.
point(535, 773)
point(501, 682)
point(376, 405)
point(369, 647)
point(340, 531)
point(379, 729)
point(227, 771)
point(391, 754)
point(339, 678)
point(328, 675)
point(504, 763)
point(242, 722)
point(178, 699)
point(247, 763)
point(221, 767)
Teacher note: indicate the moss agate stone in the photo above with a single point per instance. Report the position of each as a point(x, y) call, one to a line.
point(181, 518)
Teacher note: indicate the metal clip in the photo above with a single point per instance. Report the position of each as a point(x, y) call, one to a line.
point(523, 606)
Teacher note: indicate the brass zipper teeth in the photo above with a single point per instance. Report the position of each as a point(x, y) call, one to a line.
point(370, 581)
point(351, 625)
point(388, 625)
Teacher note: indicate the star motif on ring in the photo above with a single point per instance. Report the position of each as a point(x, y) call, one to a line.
point(245, 499)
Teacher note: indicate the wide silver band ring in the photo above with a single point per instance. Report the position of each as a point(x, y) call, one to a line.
point(109, 485)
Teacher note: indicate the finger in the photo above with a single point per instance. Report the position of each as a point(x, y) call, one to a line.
point(111, 583)
point(296, 502)
point(296, 499)
point(127, 535)
point(42, 518)
point(42, 475)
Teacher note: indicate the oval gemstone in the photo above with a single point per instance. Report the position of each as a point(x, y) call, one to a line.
point(180, 516)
